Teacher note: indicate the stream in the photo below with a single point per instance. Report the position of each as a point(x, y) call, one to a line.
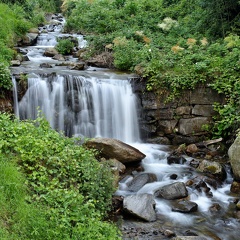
point(99, 102)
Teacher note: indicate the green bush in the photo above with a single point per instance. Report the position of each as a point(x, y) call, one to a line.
point(64, 46)
point(5, 78)
point(64, 178)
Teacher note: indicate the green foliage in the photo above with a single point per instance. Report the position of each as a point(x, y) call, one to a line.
point(5, 79)
point(66, 179)
point(65, 46)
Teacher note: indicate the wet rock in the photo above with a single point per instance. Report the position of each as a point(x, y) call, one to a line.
point(159, 140)
point(172, 191)
point(140, 180)
point(168, 233)
point(173, 176)
point(15, 63)
point(215, 208)
point(59, 57)
point(202, 187)
point(113, 148)
point(192, 148)
point(189, 238)
point(172, 159)
point(45, 65)
point(213, 168)
point(194, 163)
point(237, 214)
point(29, 39)
point(34, 30)
point(50, 52)
point(184, 207)
point(234, 153)
point(235, 187)
point(77, 66)
point(141, 206)
point(118, 165)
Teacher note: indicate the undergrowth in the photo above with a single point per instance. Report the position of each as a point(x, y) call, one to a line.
point(51, 187)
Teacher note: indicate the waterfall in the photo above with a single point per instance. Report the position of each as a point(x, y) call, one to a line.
point(15, 97)
point(81, 106)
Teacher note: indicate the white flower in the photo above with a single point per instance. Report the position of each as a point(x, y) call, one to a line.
point(167, 24)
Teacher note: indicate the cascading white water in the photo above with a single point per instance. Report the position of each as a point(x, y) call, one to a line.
point(15, 97)
point(83, 107)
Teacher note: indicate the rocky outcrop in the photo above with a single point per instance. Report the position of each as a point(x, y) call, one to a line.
point(141, 206)
point(234, 153)
point(113, 148)
point(182, 120)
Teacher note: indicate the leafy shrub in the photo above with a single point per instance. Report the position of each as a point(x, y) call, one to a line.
point(65, 46)
point(5, 78)
point(64, 178)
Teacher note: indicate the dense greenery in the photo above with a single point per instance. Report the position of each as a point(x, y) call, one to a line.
point(65, 46)
point(175, 45)
point(17, 17)
point(63, 191)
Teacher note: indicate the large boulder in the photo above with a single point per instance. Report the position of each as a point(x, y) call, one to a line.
point(113, 148)
point(234, 156)
point(172, 191)
point(141, 206)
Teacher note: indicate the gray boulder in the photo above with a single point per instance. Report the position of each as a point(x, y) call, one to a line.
point(50, 52)
point(172, 191)
point(29, 39)
point(141, 206)
point(213, 168)
point(184, 207)
point(234, 156)
point(113, 148)
point(140, 180)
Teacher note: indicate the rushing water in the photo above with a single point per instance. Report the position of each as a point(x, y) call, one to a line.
point(83, 107)
point(101, 103)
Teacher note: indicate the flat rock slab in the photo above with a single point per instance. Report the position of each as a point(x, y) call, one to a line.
point(113, 148)
point(172, 191)
point(141, 206)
